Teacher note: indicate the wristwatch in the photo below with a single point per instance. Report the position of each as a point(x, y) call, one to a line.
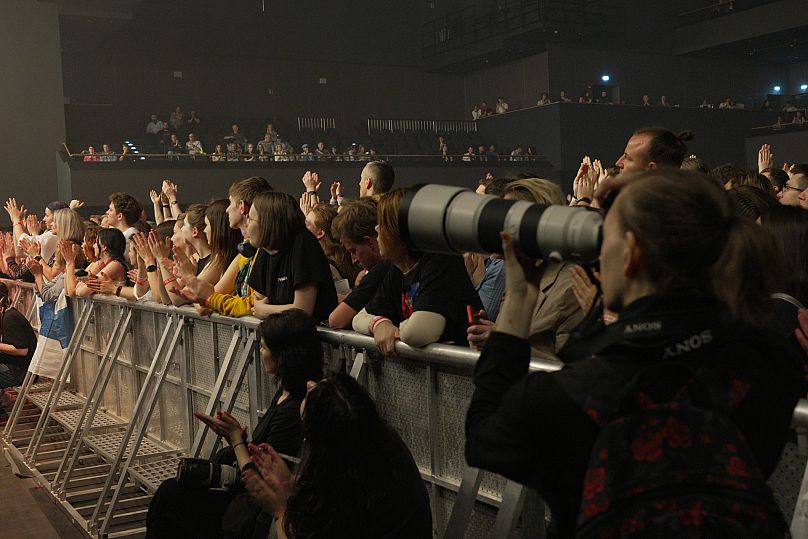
point(38, 258)
point(151, 269)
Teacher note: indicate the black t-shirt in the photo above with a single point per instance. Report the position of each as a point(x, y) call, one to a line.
point(201, 263)
point(362, 294)
point(17, 331)
point(439, 284)
point(278, 275)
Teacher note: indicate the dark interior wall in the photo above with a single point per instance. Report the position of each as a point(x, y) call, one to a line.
point(30, 101)
point(786, 147)
point(520, 82)
point(93, 182)
point(684, 80)
point(797, 76)
point(106, 94)
point(240, 62)
point(564, 133)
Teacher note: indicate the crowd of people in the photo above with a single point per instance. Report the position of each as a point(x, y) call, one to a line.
point(605, 97)
point(686, 342)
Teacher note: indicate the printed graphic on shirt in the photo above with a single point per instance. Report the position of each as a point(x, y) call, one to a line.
point(408, 298)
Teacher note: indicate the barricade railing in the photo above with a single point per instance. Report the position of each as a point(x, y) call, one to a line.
point(320, 123)
point(434, 126)
point(120, 415)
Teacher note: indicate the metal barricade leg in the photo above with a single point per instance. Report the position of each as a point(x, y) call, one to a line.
point(216, 394)
point(94, 396)
point(799, 522)
point(464, 504)
point(59, 383)
point(513, 498)
point(19, 404)
point(157, 366)
point(140, 432)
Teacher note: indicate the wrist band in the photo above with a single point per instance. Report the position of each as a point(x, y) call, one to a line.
point(376, 321)
point(204, 303)
point(312, 192)
point(141, 283)
point(171, 280)
point(38, 258)
point(151, 268)
point(249, 466)
point(238, 444)
point(166, 205)
point(584, 199)
point(118, 291)
point(20, 222)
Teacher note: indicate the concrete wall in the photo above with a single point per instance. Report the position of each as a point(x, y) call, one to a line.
point(786, 147)
point(30, 102)
point(520, 82)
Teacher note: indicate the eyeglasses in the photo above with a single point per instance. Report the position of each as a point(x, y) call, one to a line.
point(786, 186)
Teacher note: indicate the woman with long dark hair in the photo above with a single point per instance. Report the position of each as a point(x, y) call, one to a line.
point(676, 346)
point(111, 262)
point(291, 352)
point(356, 478)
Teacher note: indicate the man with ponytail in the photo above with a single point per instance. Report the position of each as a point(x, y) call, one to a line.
point(17, 342)
point(650, 148)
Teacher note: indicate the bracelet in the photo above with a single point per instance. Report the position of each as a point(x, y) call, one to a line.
point(118, 291)
point(151, 268)
point(204, 302)
point(249, 466)
point(20, 222)
point(38, 258)
point(586, 200)
point(166, 205)
point(376, 321)
point(171, 280)
point(141, 283)
point(238, 444)
point(172, 202)
point(312, 192)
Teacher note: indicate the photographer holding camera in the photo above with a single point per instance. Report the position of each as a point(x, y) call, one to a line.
point(709, 396)
point(192, 505)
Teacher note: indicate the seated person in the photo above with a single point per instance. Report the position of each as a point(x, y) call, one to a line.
point(17, 342)
point(291, 352)
point(357, 478)
point(424, 297)
point(355, 228)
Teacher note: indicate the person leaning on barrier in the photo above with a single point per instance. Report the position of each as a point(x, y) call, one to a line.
point(355, 228)
point(662, 240)
point(423, 299)
point(290, 270)
point(292, 353)
point(356, 478)
point(17, 342)
point(556, 312)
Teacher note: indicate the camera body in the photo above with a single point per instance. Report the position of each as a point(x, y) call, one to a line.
point(444, 219)
point(201, 473)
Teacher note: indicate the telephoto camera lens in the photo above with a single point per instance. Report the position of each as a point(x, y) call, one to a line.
point(444, 219)
point(201, 473)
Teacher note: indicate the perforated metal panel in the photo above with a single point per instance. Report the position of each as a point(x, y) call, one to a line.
point(154, 473)
point(453, 398)
point(176, 431)
point(786, 479)
point(146, 338)
point(66, 400)
point(203, 356)
point(70, 418)
point(400, 390)
point(109, 442)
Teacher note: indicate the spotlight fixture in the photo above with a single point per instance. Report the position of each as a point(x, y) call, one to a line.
point(804, 87)
point(776, 88)
point(605, 78)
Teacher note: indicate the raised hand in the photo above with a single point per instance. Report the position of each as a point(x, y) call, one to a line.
point(101, 284)
point(336, 190)
point(311, 180)
point(585, 291)
point(33, 266)
point(31, 248)
point(141, 243)
point(305, 203)
point(154, 196)
point(170, 189)
point(223, 424)
point(765, 158)
point(159, 249)
point(15, 212)
point(32, 225)
point(69, 251)
point(76, 204)
point(182, 264)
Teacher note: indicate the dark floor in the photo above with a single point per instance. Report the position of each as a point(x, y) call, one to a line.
point(28, 512)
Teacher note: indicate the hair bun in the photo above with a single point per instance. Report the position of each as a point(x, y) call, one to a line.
point(684, 136)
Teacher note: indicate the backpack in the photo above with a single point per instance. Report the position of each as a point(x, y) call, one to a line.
point(671, 463)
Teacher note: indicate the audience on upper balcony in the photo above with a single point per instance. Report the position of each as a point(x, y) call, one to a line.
point(544, 99)
point(177, 119)
point(194, 146)
point(646, 101)
point(236, 137)
point(663, 101)
point(562, 97)
point(153, 129)
point(502, 105)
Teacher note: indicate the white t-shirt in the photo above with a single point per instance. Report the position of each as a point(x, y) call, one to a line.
point(48, 240)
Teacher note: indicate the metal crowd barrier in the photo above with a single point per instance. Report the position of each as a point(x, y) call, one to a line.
point(113, 425)
point(435, 126)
